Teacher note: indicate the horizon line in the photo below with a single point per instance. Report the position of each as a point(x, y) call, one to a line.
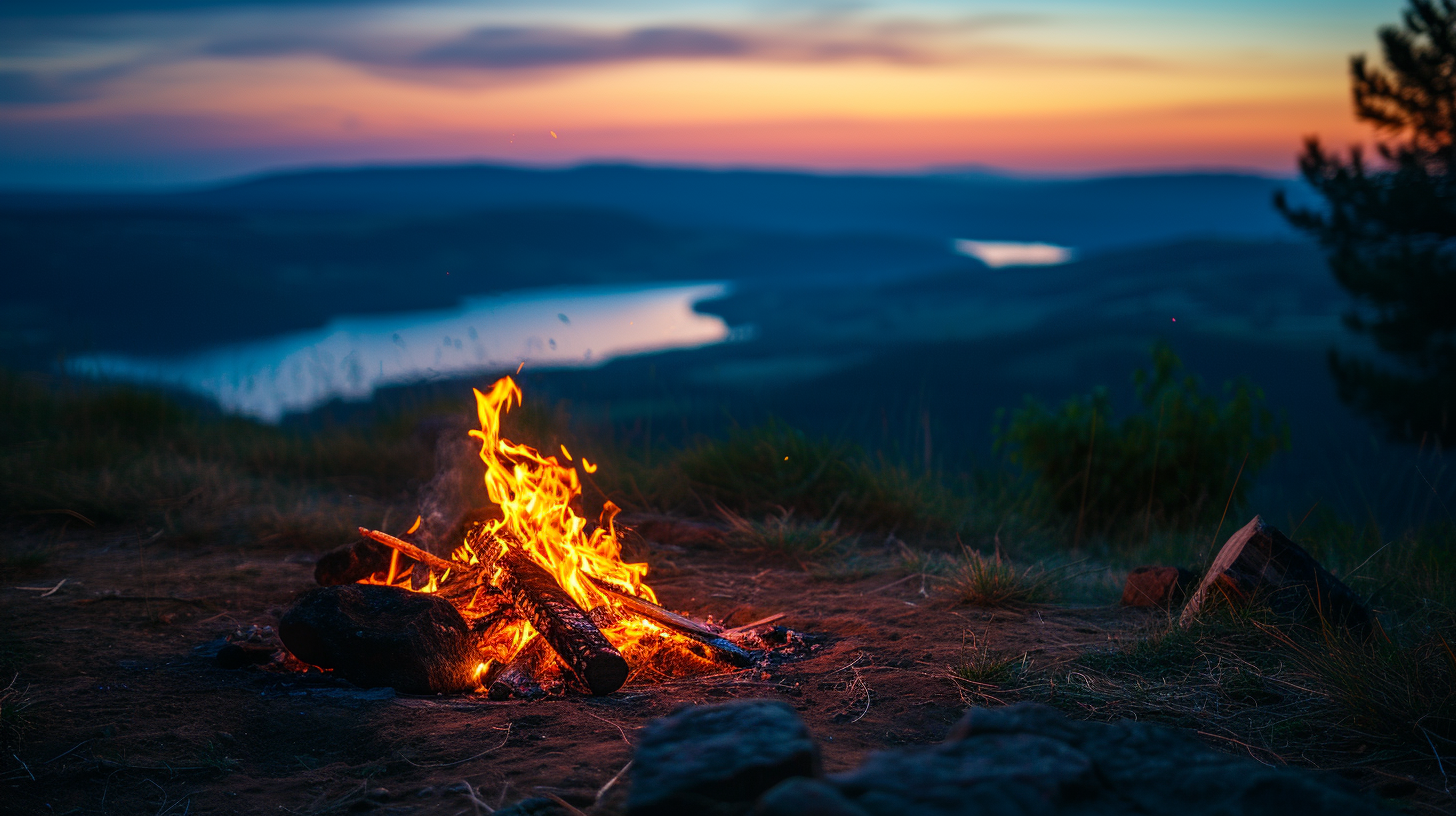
point(938, 171)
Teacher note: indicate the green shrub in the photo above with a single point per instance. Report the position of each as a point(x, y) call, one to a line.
point(1175, 463)
point(773, 467)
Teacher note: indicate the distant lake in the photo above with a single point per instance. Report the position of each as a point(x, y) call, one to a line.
point(1013, 253)
point(350, 357)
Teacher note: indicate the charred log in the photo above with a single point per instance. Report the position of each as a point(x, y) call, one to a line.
point(718, 649)
point(586, 653)
point(383, 636)
point(528, 673)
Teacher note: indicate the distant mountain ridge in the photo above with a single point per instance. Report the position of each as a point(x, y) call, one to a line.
point(1090, 214)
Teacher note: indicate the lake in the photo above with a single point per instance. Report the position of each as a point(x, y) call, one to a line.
point(351, 357)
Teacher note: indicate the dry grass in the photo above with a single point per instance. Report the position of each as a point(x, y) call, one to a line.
point(981, 581)
point(781, 537)
point(1282, 694)
point(982, 674)
point(98, 455)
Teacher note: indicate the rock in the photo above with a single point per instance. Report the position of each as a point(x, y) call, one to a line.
point(1161, 587)
point(1258, 564)
point(805, 797)
point(1000, 774)
point(1146, 768)
point(1030, 759)
point(717, 760)
point(351, 562)
point(382, 636)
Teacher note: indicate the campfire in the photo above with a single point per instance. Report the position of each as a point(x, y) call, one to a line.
point(532, 601)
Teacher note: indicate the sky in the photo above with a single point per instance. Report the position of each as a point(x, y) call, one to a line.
point(146, 93)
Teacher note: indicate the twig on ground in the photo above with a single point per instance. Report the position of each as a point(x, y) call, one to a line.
point(67, 751)
point(563, 804)
point(602, 791)
point(467, 759)
point(760, 622)
point(45, 591)
point(1441, 766)
point(1250, 748)
point(619, 728)
point(473, 796)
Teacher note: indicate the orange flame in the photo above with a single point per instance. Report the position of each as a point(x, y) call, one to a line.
point(537, 496)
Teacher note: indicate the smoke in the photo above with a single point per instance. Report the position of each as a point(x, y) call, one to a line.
point(458, 488)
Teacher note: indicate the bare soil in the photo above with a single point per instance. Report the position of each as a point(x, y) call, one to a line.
point(125, 711)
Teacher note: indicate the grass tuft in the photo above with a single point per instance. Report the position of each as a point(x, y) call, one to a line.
point(981, 671)
point(981, 581)
point(783, 538)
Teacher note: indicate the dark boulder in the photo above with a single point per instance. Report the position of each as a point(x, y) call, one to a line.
point(718, 760)
point(352, 562)
point(1259, 565)
point(1160, 587)
point(1030, 759)
point(801, 796)
point(1021, 760)
point(382, 636)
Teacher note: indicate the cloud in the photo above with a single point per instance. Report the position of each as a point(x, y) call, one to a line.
point(72, 8)
point(496, 49)
point(507, 48)
point(492, 53)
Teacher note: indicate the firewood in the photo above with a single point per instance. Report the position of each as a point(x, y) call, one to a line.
point(406, 548)
point(718, 647)
point(722, 650)
point(587, 654)
point(519, 677)
point(653, 612)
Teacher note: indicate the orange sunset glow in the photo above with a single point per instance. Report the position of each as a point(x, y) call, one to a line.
point(172, 93)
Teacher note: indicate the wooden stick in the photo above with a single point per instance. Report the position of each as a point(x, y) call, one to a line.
point(719, 647)
point(761, 622)
point(653, 612)
point(562, 624)
point(412, 551)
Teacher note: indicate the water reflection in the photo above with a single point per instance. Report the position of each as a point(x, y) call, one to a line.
point(1014, 253)
point(352, 356)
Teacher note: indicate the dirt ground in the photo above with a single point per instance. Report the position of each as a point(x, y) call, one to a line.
point(124, 710)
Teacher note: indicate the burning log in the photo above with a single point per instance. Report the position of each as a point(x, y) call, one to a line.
point(538, 597)
point(526, 675)
point(718, 647)
point(562, 624)
point(406, 548)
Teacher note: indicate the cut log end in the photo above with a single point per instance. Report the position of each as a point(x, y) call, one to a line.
point(604, 673)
